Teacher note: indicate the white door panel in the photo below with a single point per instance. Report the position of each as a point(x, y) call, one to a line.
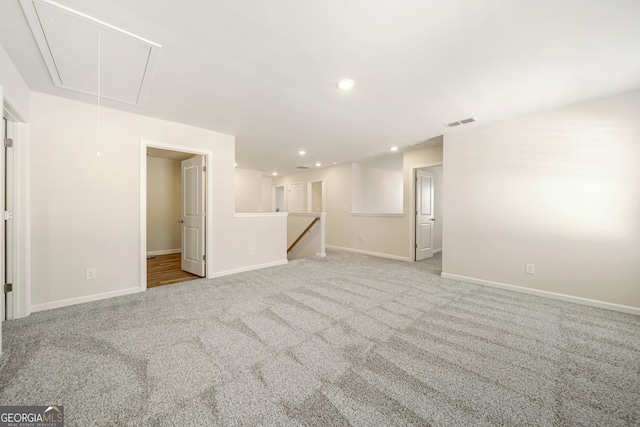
point(295, 197)
point(193, 216)
point(424, 215)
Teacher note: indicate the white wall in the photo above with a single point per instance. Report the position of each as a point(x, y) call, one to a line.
point(164, 196)
point(267, 195)
point(85, 209)
point(253, 191)
point(560, 189)
point(16, 91)
point(376, 190)
point(248, 190)
point(388, 235)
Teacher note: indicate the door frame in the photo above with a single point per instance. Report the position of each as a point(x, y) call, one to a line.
point(412, 207)
point(208, 154)
point(310, 194)
point(21, 211)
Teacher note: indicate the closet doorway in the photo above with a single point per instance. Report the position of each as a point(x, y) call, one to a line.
point(169, 249)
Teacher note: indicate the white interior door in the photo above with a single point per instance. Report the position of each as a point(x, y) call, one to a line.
point(295, 197)
point(193, 216)
point(424, 215)
point(8, 133)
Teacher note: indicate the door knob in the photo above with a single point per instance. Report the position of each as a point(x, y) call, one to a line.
point(181, 221)
point(433, 219)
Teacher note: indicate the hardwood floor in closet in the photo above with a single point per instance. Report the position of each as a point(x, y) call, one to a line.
point(165, 270)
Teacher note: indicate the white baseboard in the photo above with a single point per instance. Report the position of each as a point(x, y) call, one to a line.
point(248, 268)
point(381, 255)
point(80, 300)
point(321, 254)
point(165, 252)
point(546, 294)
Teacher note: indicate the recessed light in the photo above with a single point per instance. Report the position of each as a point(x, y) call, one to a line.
point(318, 164)
point(345, 84)
point(235, 164)
point(302, 152)
point(394, 148)
point(334, 163)
point(275, 174)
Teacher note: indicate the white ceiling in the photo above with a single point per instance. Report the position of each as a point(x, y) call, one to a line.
point(266, 71)
point(74, 46)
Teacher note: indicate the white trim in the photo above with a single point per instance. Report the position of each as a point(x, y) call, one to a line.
point(546, 294)
point(165, 252)
point(81, 300)
point(321, 255)
point(10, 112)
point(209, 243)
point(248, 268)
point(21, 213)
point(259, 214)
point(387, 215)
point(435, 251)
point(143, 215)
point(378, 254)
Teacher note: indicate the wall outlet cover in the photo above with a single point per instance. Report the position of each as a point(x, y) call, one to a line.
point(90, 274)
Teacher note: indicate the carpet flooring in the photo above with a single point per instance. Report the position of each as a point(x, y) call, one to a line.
point(344, 340)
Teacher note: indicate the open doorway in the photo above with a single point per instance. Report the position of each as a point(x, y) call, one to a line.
point(278, 198)
point(315, 196)
point(174, 197)
point(426, 223)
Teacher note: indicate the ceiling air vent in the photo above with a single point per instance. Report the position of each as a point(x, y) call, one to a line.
point(461, 122)
point(89, 56)
point(303, 167)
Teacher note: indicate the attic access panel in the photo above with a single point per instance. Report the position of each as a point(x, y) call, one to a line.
point(82, 52)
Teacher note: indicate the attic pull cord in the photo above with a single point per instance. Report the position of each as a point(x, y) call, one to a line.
point(99, 84)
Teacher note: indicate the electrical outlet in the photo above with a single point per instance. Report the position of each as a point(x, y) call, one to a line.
point(530, 268)
point(91, 274)
point(252, 251)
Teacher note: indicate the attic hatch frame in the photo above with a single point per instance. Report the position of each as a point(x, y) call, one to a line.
point(31, 13)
